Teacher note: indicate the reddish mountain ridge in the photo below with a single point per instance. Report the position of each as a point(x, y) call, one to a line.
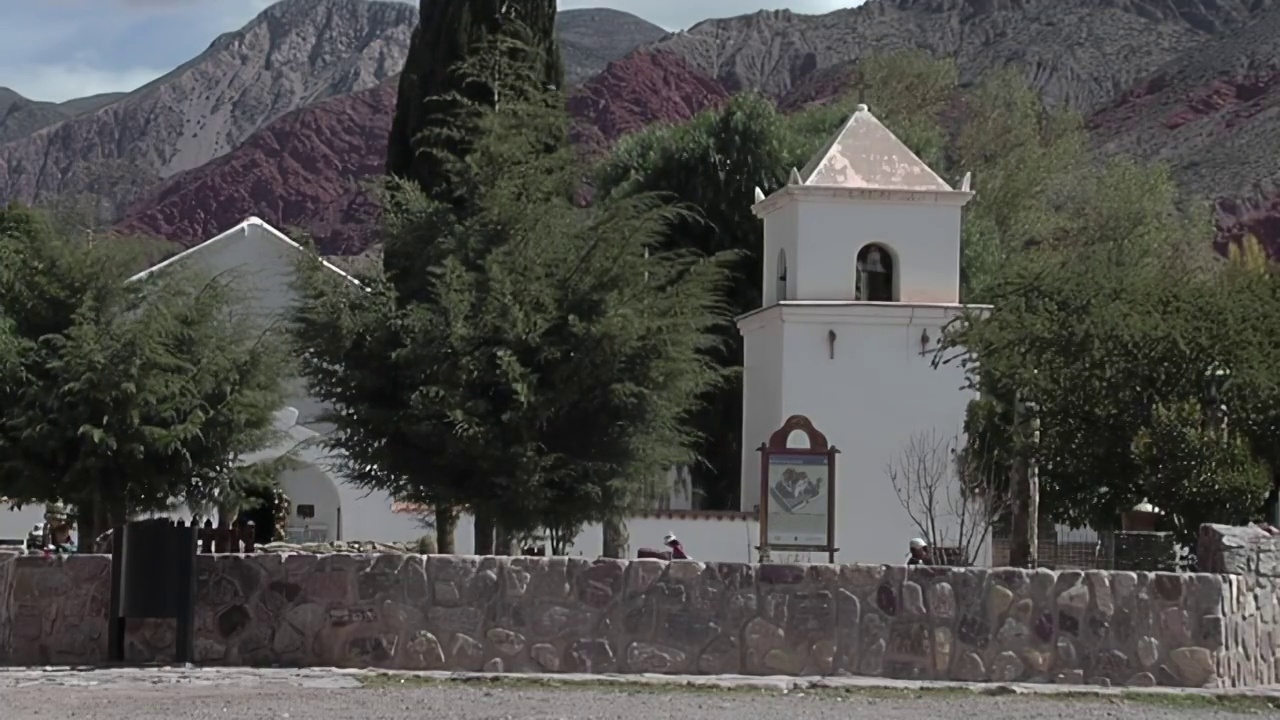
point(305, 170)
point(647, 87)
point(1213, 115)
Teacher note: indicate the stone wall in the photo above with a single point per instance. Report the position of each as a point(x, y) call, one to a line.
point(567, 614)
point(1249, 560)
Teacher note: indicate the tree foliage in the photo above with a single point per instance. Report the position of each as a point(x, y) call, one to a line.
point(1146, 362)
point(547, 360)
point(123, 394)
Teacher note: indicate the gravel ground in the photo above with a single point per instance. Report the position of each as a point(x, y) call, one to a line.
point(344, 695)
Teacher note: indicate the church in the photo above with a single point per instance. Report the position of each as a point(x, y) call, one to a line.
point(861, 276)
point(862, 273)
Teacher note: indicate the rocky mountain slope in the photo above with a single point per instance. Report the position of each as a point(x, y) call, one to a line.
point(590, 39)
point(304, 170)
point(294, 53)
point(645, 88)
point(1082, 52)
point(1212, 114)
point(20, 116)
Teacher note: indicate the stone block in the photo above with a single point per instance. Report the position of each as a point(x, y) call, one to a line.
point(1226, 549)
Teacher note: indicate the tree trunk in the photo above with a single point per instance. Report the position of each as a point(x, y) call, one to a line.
point(228, 514)
point(87, 526)
point(446, 524)
point(1019, 506)
point(485, 524)
point(504, 542)
point(616, 539)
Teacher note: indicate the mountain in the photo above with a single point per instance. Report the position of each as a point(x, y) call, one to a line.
point(1081, 52)
point(294, 53)
point(645, 88)
point(1190, 82)
point(20, 116)
point(590, 39)
point(1213, 115)
point(304, 170)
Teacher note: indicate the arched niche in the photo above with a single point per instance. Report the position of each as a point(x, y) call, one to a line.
point(780, 287)
point(875, 274)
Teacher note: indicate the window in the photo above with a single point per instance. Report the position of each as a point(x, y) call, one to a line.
point(781, 289)
point(306, 512)
point(874, 279)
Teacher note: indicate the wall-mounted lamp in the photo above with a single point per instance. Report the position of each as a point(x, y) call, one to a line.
point(831, 343)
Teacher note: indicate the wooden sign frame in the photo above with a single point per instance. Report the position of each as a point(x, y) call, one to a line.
point(819, 447)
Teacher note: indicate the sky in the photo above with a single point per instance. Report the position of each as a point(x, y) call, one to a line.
point(61, 49)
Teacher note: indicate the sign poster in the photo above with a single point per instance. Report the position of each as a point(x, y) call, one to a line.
point(798, 504)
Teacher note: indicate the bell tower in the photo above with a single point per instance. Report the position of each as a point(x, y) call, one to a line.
point(861, 273)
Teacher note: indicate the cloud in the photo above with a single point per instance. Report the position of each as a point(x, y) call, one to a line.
point(61, 82)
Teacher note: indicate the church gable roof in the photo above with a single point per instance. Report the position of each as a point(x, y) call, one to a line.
point(866, 155)
point(249, 223)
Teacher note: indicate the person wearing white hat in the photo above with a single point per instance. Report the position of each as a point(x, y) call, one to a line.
point(677, 549)
point(919, 552)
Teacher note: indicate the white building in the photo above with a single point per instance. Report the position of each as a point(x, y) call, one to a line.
point(862, 272)
point(261, 261)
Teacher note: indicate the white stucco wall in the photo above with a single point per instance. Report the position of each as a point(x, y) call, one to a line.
point(869, 399)
point(15, 524)
point(705, 537)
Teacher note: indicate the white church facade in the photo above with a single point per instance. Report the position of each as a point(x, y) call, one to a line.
point(862, 274)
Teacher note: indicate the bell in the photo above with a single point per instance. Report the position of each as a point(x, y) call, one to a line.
point(872, 264)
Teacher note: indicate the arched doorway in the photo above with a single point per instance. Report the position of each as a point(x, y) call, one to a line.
point(264, 506)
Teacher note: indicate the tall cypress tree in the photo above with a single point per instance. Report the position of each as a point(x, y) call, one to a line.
point(439, 111)
point(432, 89)
point(436, 116)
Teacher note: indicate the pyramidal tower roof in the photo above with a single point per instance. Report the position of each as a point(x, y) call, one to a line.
point(865, 155)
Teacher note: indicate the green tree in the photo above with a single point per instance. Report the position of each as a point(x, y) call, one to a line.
point(126, 395)
point(553, 354)
point(444, 83)
point(1128, 340)
point(714, 164)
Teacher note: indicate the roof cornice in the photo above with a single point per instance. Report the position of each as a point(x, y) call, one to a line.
point(831, 193)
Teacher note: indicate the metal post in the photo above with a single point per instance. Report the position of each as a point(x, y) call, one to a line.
point(1024, 487)
point(1033, 495)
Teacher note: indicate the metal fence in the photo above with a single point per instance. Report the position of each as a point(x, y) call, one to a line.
point(1063, 548)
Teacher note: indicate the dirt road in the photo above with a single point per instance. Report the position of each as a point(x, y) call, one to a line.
point(313, 695)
